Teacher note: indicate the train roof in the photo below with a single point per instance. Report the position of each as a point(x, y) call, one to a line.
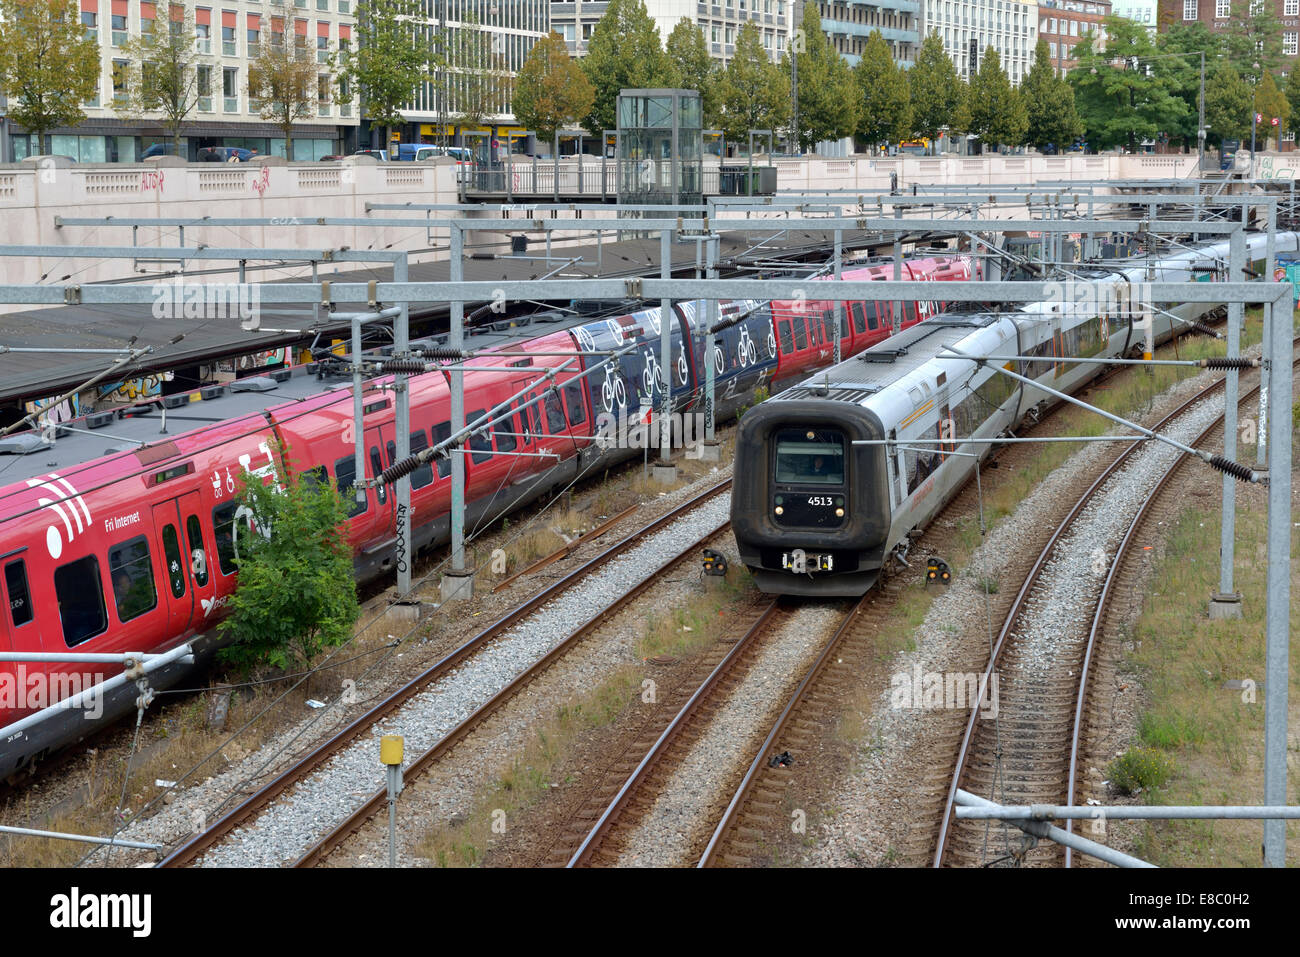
point(887, 362)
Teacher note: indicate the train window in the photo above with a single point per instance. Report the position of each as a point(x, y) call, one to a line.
point(223, 525)
point(554, 413)
point(573, 399)
point(809, 457)
point(441, 433)
point(20, 598)
point(909, 312)
point(377, 466)
point(480, 445)
point(534, 414)
point(198, 554)
point(172, 555)
point(80, 593)
point(828, 326)
point(316, 477)
point(783, 333)
point(859, 317)
point(345, 470)
point(800, 334)
point(842, 320)
point(504, 431)
point(132, 574)
point(424, 474)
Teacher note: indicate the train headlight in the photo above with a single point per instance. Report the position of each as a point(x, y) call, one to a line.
point(839, 513)
point(780, 510)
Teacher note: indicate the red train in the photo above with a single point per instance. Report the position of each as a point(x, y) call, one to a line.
point(118, 537)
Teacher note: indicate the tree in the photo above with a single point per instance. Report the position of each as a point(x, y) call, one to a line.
point(478, 69)
point(164, 73)
point(884, 101)
point(551, 90)
point(47, 66)
point(1121, 93)
point(1271, 103)
point(390, 63)
point(1293, 92)
point(997, 111)
point(1253, 39)
point(937, 93)
point(1184, 72)
point(284, 76)
point(295, 594)
point(1049, 104)
point(624, 53)
point(755, 91)
point(1227, 103)
point(690, 58)
point(827, 97)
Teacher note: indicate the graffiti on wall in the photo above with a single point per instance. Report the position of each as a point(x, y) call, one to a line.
point(133, 390)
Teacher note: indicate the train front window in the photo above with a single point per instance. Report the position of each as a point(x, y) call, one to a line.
point(809, 457)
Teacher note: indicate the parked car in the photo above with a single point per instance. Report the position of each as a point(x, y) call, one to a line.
point(381, 155)
point(225, 154)
point(330, 159)
point(159, 149)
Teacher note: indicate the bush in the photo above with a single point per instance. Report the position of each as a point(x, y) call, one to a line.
point(1139, 768)
point(296, 594)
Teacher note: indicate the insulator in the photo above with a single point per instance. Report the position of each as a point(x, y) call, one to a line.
point(1202, 328)
point(398, 469)
point(1235, 469)
point(414, 366)
point(1223, 362)
point(442, 352)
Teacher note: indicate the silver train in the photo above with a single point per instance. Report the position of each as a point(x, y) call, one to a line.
point(814, 514)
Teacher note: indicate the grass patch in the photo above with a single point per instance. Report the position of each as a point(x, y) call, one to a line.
point(1140, 769)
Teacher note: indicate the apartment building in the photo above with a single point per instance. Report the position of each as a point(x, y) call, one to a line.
point(1063, 22)
point(968, 27)
point(478, 37)
point(227, 38)
point(1217, 15)
point(1144, 12)
point(850, 22)
point(720, 21)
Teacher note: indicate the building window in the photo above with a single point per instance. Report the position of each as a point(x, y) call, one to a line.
point(119, 79)
point(1189, 9)
point(91, 22)
point(1291, 8)
point(228, 41)
point(230, 89)
point(1290, 43)
point(119, 31)
point(1222, 9)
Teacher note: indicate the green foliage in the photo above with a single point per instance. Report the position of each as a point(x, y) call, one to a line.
point(624, 53)
point(1271, 102)
point(1140, 768)
point(163, 75)
point(937, 93)
point(295, 595)
point(689, 54)
point(1227, 103)
point(884, 100)
point(997, 110)
point(1123, 95)
point(48, 68)
point(283, 76)
point(755, 92)
point(1253, 39)
point(1049, 105)
point(551, 90)
point(391, 59)
point(1184, 72)
point(828, 108)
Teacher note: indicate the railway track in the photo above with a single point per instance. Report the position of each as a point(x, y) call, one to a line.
point(249, 810)
point(1043, 655)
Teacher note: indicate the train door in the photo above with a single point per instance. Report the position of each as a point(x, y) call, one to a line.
point(196, 551)
point(947, 429)
point(895, 468)
point(375, 464)
point(178, 591)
